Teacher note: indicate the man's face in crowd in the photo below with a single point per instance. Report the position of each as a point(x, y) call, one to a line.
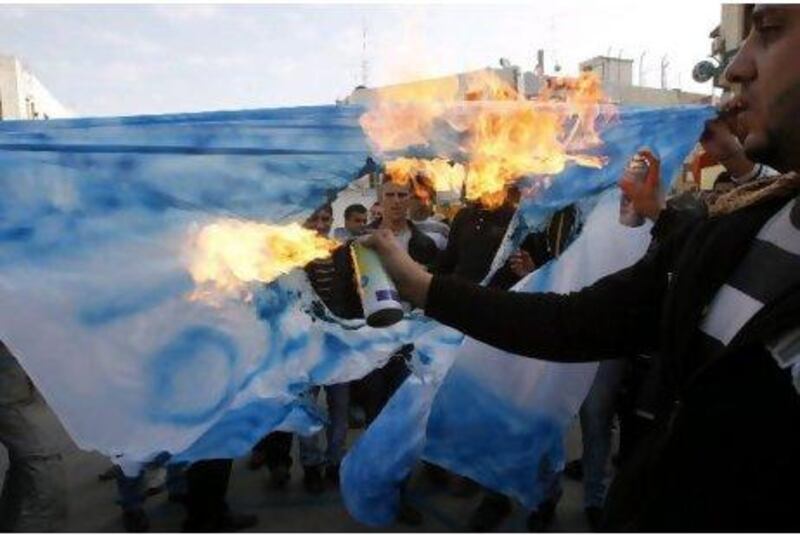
point(768, 69)
point(395, 199)
point(356, 222)
point(375, 212)
point(320, 221)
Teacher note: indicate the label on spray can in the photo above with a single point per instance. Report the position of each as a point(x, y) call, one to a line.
point(378, 293)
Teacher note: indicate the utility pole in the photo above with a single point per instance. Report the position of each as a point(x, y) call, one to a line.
point(364, 62)
point(641, 68)
point(664, 65)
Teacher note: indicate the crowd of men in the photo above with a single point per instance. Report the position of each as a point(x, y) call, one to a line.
point(714, 303)
point(698, 341)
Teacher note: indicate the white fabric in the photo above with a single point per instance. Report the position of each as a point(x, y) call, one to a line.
point(728, 313)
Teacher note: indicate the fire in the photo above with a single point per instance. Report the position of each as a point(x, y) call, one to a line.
point(445, 175)
point(229, 254)
point(404, 115)
point(583, 96)
point(486, 85)
point(500, 137)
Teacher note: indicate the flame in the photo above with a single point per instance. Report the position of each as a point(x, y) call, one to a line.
point(583, 96)
point(227, 255)
point(405, 114)
point(444, 175)
point(500, 141)
point(486, 85)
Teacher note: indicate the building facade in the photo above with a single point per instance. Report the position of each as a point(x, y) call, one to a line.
point(616, 75)
point(23, 96)
point(445, 87)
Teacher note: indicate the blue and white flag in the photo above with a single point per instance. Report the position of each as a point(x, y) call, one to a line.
point(94, 222)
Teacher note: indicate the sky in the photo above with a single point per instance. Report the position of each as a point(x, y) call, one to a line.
point(142, 59)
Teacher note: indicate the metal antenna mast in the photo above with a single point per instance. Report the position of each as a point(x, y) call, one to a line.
point(364, 62)
point(641, 68)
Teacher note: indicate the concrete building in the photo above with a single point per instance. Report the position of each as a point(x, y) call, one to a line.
point(616, 75)
point(23, 96)
point(613, 72)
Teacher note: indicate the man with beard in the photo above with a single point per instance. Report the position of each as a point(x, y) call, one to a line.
point(719, 300)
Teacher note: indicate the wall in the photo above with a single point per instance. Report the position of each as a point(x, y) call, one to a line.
point(24, 96)
point(651, 96)
point(9, 89)
point(615, 71)
point(443, 88)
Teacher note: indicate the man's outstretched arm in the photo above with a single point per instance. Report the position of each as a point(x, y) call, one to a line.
point(617, 315)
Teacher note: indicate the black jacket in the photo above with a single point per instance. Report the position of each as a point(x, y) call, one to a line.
point(477, 233)
point(421, 247)
point(474, 238)
point(725, 452)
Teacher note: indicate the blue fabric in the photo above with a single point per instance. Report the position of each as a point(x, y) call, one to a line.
point(491, 416)
point(94, 222)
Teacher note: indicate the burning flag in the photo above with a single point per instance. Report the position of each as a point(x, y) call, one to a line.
point(501, 137)
point(107, 224)
point(444, 175)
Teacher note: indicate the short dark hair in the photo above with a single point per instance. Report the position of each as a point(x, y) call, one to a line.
point(354, 209)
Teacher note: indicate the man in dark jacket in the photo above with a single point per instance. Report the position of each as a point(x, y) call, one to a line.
point(719, 301)
point(477, 233)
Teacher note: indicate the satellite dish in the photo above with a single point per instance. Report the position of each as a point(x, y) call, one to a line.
point(704, 71)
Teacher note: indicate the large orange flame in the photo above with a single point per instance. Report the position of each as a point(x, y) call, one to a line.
point(486, 85)
point(404, 115)
point(444, 175)
point(501, 141)
point(226, 256)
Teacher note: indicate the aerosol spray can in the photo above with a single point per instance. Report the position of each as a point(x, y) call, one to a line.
point(378, 293)
point(635, 171)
